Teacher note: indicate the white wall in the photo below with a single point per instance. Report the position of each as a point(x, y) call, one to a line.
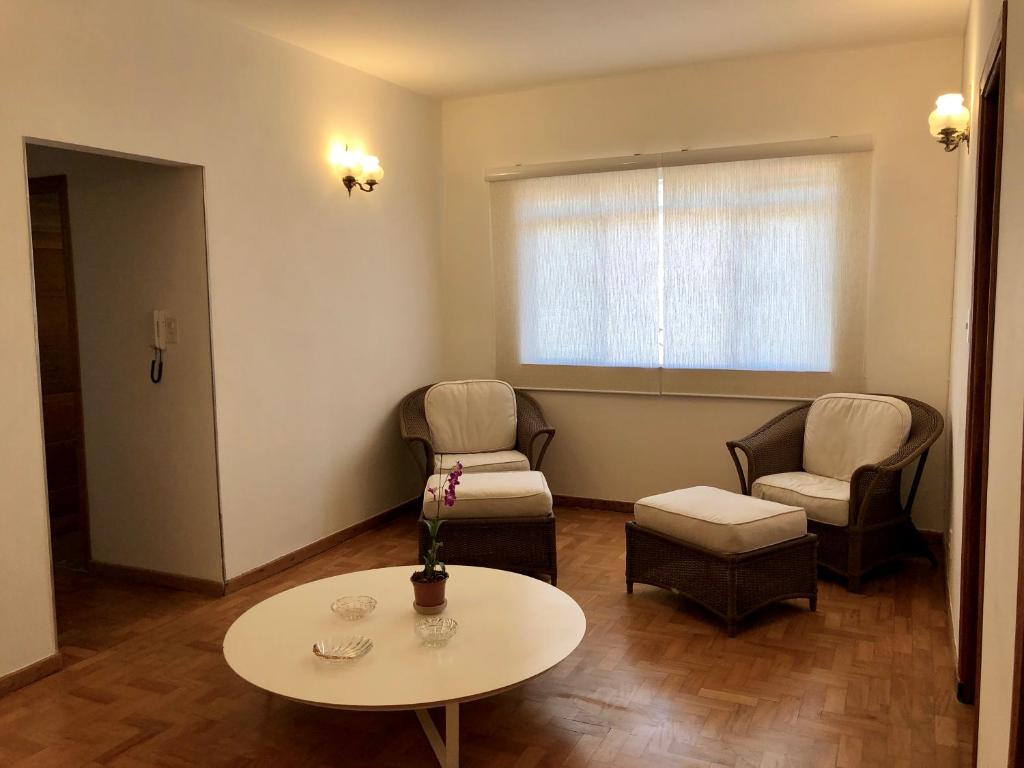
point(1007, 425)
point(138, 236)
point(622, 447)
point(323, 307)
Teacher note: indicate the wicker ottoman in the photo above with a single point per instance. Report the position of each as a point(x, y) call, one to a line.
point(728, 552)
point(501, 520)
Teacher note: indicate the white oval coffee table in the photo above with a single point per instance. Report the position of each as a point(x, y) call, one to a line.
point(512, 628)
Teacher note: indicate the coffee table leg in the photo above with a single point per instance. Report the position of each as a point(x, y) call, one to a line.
point(446, 750)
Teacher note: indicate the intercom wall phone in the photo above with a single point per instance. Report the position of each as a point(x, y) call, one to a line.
point(165, 331)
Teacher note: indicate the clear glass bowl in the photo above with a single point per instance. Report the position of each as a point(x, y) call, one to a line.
point(338, 649)
point(436, 631)
point(353, 607)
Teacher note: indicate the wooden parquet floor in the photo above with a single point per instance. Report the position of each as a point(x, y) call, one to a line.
point(866, 681)
point(95, 613)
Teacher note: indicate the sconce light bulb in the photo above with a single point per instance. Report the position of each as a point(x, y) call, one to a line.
point(336, 154)
point(345, 161)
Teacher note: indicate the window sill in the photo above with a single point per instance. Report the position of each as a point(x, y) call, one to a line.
point(706, 395)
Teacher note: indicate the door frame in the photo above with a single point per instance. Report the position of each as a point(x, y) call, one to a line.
point(59, 185)
point(142, 575)
point(1016, 755)
point(989, 142)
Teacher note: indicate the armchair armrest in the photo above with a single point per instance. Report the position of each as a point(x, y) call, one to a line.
point(778, 446)
point(875, 488)
point(412, 421)
point(533, 433)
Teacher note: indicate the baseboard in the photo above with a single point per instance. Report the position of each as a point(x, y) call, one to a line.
point(321, 545)
point(37, 670)
point(583, 502)
point(157, 578)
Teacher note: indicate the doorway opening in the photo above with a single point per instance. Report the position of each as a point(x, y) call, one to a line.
point(126, 382)
point(988, 143)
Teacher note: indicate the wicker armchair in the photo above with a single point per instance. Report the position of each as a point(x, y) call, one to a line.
point(879, 527)
point(522, 544)
point(533, 433)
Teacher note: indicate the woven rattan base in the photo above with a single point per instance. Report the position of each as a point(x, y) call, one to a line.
point(521, 544)
point(731, 586)
point(852, 553)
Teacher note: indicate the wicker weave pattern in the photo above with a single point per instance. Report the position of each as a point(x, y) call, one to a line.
point(412, 421)
point(776, 447)
point(730, 586)
point(525, 545)
point(533, 433)
point(880, 528)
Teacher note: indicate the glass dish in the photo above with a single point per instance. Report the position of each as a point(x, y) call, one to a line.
point(353, 607)
point(436, 631)
point(337, 649)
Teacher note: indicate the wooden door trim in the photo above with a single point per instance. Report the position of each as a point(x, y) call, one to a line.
point(986, 243)
point(59, 185)
point(1016, 752)
point(1016, 758)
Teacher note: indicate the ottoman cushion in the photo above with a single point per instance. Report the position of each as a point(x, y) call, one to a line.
point(494, 494)
point(720, 521)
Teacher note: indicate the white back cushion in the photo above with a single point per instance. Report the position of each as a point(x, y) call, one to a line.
point(845, 431)
point(471, 416)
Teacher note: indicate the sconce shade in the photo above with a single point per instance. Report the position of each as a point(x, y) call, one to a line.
point(346, 162)
point(949, 113)
point(372, 170)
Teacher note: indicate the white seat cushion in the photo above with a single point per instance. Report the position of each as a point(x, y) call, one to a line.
point(494, 494)
point(471, 416)
point(495, 461)
point(719, 520)
point(824, 499)
point(845, 431)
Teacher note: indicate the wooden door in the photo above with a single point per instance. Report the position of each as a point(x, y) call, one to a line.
point(60, 378)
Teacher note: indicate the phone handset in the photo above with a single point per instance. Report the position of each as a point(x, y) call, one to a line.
point(156, 365)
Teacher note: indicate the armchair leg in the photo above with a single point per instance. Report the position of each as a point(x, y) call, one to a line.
point(854, 566)
point(920, 543)
point(930, 555)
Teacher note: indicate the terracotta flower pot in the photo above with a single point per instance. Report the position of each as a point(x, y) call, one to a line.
point(428, 594)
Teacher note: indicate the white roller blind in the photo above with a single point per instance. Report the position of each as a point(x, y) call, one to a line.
point(742, 277)
point(754, 256)
point(587, 255)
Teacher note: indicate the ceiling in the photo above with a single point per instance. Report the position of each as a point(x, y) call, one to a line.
point(457, 47)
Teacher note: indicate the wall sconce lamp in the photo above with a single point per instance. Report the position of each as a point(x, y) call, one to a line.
point(950, 121)
point(355, 168)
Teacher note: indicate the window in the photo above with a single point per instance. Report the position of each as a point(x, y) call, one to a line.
point(740, 267)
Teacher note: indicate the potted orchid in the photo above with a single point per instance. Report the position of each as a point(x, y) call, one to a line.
point(428, 584)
